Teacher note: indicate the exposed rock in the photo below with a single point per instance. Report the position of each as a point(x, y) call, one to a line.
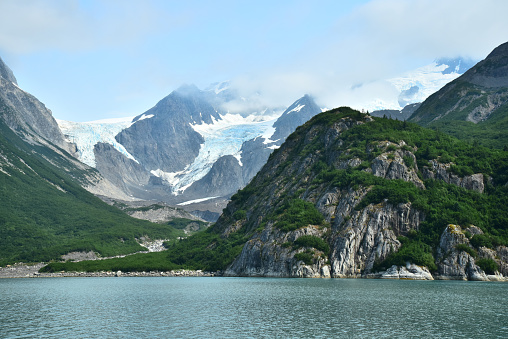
point(440, 171)
point(391, 165)
point(410, 272)
point(359, 238)
point(268, 255)
point(452, 263)
point(79, 256)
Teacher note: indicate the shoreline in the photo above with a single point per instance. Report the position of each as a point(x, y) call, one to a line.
point(21, 270)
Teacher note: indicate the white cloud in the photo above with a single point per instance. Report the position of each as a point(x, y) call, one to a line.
point(28, 26)
point(380, 40)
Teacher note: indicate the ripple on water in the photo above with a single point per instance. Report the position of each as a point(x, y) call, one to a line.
point(250, 307)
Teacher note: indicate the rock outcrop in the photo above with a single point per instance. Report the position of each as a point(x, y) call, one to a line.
point(439, 171)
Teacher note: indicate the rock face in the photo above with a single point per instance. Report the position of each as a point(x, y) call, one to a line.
point(453, 263)
point(266, 255)
point(166, 140)
point(357, 237)
point(367, 235)
point(29, 117)
point(408, 272)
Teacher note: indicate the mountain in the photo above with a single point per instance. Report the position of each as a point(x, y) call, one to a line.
point(44, 211)
point(350, 195)
point(188, 146)
point(474, 106)
point(28, 117)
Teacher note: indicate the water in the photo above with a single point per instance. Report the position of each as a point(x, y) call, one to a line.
point(160, 307)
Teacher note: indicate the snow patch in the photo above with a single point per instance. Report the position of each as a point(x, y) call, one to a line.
point(195, 201)
point(297, 109)
point(144, 116)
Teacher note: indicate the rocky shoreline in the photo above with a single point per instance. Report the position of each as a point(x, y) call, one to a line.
point(410, 272)
point(21, 270)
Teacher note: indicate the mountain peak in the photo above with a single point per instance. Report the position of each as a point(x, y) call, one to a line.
point(6, 73)
point(187, 90)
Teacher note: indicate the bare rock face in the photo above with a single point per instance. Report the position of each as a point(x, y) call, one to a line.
point(391, 165)
point(268, 254)
point(453, 263)
point(28, 117)
point(409, 272)
point(440, 171)
point(362, 237)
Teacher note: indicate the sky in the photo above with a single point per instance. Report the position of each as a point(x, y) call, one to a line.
point(89, 59)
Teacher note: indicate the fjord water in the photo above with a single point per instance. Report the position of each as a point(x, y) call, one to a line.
point(146, 307)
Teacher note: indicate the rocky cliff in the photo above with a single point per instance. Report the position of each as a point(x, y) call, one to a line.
point(373, 185)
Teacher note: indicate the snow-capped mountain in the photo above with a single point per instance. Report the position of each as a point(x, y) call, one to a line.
point(188, 147)
point(417, 85)
point(192, 147)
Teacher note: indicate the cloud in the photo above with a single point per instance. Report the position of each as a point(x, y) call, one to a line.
point(348, 63)
point(28, 26)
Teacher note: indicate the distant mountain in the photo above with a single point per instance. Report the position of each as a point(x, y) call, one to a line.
point(188, 146)
point(403, 114)
point(475, 105)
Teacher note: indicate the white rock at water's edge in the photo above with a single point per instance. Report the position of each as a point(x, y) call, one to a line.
point(409, 272)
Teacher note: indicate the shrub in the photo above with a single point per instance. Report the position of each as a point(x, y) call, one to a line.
point(297, 213)
point(411, 251)
point(240, 214)
point(467, 249)
point(488, 265)
point(313, 241)
point(307, 257)
point(481, 240)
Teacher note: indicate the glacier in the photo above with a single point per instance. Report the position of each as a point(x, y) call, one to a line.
point(87, 134)
point(222, 137)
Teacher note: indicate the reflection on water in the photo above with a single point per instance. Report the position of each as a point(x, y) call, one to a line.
point(250, 307)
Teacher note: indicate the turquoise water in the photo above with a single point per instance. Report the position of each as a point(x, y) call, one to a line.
point(161, 307)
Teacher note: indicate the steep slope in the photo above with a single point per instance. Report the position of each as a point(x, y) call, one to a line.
point(44, 214)
point(475, 105)
point(28, 117)
point(347, 195)
point(162, 137)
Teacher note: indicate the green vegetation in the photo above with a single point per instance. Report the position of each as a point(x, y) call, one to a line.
point(489, 133)
point(204, 250)
point(467, 249)
point(313, 241)
point(297, 213)
point(307, 257)
point(192, 226)
point(44, 213)
point(488, 265)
